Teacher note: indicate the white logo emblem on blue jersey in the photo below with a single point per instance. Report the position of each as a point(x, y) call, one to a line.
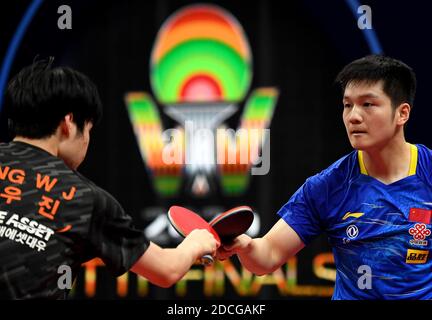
point(352, 231)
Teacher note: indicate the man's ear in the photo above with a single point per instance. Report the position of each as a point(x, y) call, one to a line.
point(403, 113)
point(67, 125)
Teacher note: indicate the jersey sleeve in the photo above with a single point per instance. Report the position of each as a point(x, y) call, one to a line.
point(302, 211)
point(112, 235)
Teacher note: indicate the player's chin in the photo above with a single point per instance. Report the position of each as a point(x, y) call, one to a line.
point(357, 144)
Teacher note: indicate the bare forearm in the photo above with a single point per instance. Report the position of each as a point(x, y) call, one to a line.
point(164, 267)
point(265, 255)
point(259, 258)
point(167, 267)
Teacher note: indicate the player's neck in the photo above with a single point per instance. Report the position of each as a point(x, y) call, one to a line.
point(389, 164)
point(49, 144)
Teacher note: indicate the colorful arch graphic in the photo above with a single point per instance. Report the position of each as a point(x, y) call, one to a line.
point(201, 54)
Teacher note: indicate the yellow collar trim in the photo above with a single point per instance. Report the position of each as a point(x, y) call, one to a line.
point(412, 166)
point(413, 161)
point(361, 163)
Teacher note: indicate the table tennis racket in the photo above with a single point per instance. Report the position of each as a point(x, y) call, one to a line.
point(185, 221)
point(232, 223)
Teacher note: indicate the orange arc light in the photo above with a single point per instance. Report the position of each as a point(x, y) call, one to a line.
point(201, 22)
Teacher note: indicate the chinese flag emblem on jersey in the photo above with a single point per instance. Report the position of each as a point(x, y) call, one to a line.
point(420, 215)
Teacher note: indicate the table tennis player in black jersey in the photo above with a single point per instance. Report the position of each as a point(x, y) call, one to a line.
point(51, 215)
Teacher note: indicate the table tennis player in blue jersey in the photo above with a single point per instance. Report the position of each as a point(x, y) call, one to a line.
point(374, 204)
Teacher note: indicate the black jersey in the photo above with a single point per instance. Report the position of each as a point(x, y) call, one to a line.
point(51, 217)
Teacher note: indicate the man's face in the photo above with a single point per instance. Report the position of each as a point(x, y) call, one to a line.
point(74, 149)
point(368, 115)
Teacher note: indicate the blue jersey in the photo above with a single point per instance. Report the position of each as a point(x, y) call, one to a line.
point(380, 233)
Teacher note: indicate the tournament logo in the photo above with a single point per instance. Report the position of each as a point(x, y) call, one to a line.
point(201, 72)
point(419, 233)
point(416, 256)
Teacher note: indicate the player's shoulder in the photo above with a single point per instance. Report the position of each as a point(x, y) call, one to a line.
point(344, 168)
point(101, 197)
point(97, 191)
point(424, 153)
point(424, 162)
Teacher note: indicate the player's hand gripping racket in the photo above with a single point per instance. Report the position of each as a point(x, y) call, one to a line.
point(185, 221)
point(232, 223)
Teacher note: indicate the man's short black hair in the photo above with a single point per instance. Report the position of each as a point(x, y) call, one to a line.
point(399, 80)
point(39, 97)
